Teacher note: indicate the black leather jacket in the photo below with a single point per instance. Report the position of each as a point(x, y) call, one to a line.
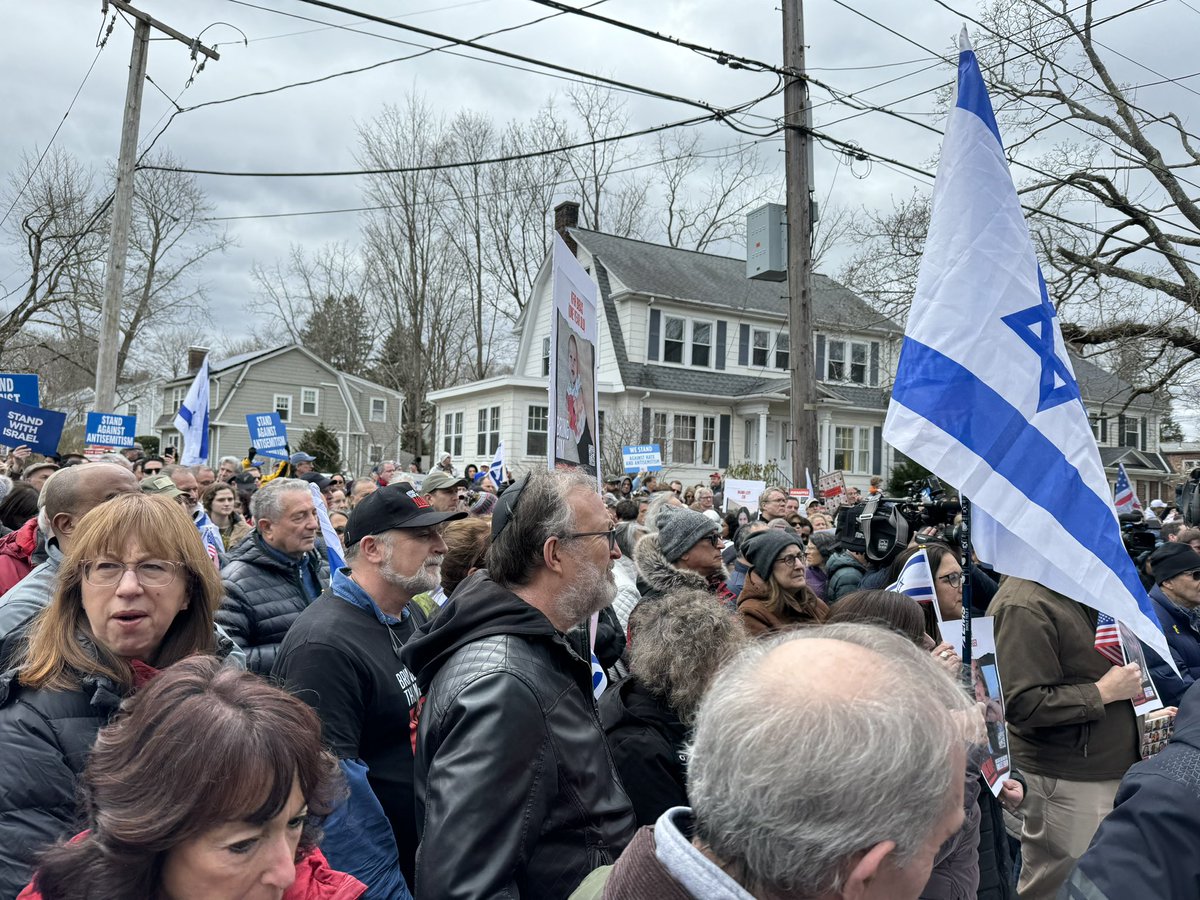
point(517, 792)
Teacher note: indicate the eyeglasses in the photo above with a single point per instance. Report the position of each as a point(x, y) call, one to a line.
point(714, 539)
point(151, 573)
point(611, 534)
point(1195, 576)
point(791, 559)
point(150, 471)
point(954, 579)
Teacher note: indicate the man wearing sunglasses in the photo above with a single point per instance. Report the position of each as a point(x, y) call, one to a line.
point(517, 795)
point(1176, 599)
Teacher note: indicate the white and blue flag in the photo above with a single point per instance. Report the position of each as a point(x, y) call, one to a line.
point(496, 469)
point(333, 544)
point(916, 581)
point(985, 396)
point(599, 679)
point(192, 420)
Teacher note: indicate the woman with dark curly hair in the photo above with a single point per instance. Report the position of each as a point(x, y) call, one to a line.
point(212, 783)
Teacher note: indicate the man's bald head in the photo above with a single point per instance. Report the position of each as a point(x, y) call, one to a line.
point(821, 747)
point(73, 491)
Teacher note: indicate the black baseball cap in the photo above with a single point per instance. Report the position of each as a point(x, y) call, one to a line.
point(394, 506)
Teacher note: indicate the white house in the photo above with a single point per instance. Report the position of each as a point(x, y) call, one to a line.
point(694, 357)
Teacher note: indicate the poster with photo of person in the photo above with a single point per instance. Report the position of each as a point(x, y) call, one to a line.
point(574, 333)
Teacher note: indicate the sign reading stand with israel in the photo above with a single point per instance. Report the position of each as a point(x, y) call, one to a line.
point(109, 430)
point(39, 429)
point(985, 396)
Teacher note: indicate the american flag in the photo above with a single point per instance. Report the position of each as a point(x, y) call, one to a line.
point(1108, 639)
point(1126, 500)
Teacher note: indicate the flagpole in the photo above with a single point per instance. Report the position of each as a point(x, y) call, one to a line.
point(964, 544)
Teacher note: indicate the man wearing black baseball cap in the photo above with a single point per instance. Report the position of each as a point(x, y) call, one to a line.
point(1176, 599)
point(342, 656)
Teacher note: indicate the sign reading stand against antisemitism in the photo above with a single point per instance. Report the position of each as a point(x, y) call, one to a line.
point(574, 336)
point(109, 430)
point(268, 434)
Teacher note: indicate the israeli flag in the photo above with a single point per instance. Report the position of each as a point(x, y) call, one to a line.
point(808, 484)
point(599, 679)
point(333, 546)
point(192, 420)
point(496, 470)
point(916, 581)
point(985, 396)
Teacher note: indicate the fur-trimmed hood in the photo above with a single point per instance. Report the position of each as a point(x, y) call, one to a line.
point(657, 576)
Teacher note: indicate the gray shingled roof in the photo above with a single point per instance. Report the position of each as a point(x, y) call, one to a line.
point(1102, 386)
point(688, 275)
point(1133, 459)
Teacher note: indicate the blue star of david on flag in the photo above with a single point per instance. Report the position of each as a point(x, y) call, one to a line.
point(1035, 326)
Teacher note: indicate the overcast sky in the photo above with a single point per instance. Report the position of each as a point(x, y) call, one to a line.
point(47, 47)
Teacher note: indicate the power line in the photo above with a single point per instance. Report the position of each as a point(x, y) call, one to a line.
point(466, 164)
point(725, 58)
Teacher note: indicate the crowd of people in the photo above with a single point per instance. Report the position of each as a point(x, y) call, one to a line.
point(533, 688)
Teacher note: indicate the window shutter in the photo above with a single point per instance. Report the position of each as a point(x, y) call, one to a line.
point(645, 438)
point(1144, 445)
point(744, 345)
point(1121, 431)
point(655, 325)
point(722, 336)
point(876, 439)
point(1104, 429)
point(723, 442)
point(820, 357)
point(874, 367)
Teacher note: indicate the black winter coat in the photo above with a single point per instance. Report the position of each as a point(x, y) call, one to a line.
point(649, 744)
point(995, 855)
point(517, 792)
point(263, 597)
point(45, 738)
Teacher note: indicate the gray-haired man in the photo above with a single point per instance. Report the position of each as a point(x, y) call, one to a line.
point(517, 793)
point(779, 809)
point(275, 573)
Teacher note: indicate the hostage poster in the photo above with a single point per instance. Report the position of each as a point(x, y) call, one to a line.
point(574, 335)
point(985, 684)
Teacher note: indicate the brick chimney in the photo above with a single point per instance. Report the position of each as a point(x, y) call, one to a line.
point(195, 358)
point(566, 215)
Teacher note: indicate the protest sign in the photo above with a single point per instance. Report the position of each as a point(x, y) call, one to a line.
point(985, 682)
point(739, 493)
point(1147, 699)
point(268, 435)
point(831, 487)
point(39, 429)
point(642, 457)
point(109, 430)
point(800, 494)
point(19, 388)
point(574, 335)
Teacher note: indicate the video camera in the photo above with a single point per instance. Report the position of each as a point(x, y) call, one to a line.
point(1138, 537)
point(884, 525)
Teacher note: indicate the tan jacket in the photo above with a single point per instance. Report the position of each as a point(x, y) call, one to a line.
point(1049, 666)
point(759, 619)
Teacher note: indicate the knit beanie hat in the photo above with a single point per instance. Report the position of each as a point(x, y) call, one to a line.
point(679, 529)
point(483, 506)
point(1173, 559)
point(762, 549)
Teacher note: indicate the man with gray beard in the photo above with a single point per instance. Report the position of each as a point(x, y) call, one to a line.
point(517, 793)
point(342, 656)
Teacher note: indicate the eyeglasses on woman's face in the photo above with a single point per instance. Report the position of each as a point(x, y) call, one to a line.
point(789, 561)
point(953, 579)
point(149, 573)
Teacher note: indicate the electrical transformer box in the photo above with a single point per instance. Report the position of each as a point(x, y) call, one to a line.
point(766, 243)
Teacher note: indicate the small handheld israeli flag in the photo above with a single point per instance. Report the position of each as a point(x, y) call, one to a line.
point(599, 679)
point(333, 545)
point(916, 580)
point(192, 420)
point(985, 396)
point(496, 470)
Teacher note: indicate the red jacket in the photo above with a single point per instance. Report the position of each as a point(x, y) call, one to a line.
point(315, 880)
point(16, 552)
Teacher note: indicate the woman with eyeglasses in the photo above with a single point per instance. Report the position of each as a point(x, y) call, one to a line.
point(775, 594)
point(136, 592)
point(221, 503)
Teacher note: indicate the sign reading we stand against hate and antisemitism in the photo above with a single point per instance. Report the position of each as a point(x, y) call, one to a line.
point(642, 457)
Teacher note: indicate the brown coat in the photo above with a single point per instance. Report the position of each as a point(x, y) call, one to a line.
point(1049, 666)
point(759, 619)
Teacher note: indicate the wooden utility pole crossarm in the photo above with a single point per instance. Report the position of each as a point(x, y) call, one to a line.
point(799, 263)
point(122, 209)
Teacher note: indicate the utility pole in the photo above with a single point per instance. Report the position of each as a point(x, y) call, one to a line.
point(799, 263)
point(122, 208)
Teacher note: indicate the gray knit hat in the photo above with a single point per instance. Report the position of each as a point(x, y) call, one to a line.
point(679, 529)
point(826, 543)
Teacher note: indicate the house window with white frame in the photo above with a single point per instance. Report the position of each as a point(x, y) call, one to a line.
point(487, 435)
point(683, 440)
point(658, 435)
point(674, 328)
point(760, 348)
point(708, 441)
point(375, 453)
point(378, 409)
point(1132, 436)
point(702, 339)
point(782, 350)
point(852, 449)
point(309, 402)
point(177, 395)
point(452, 434)
point(283, 406)
point(536, 430)
point(847, 361)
